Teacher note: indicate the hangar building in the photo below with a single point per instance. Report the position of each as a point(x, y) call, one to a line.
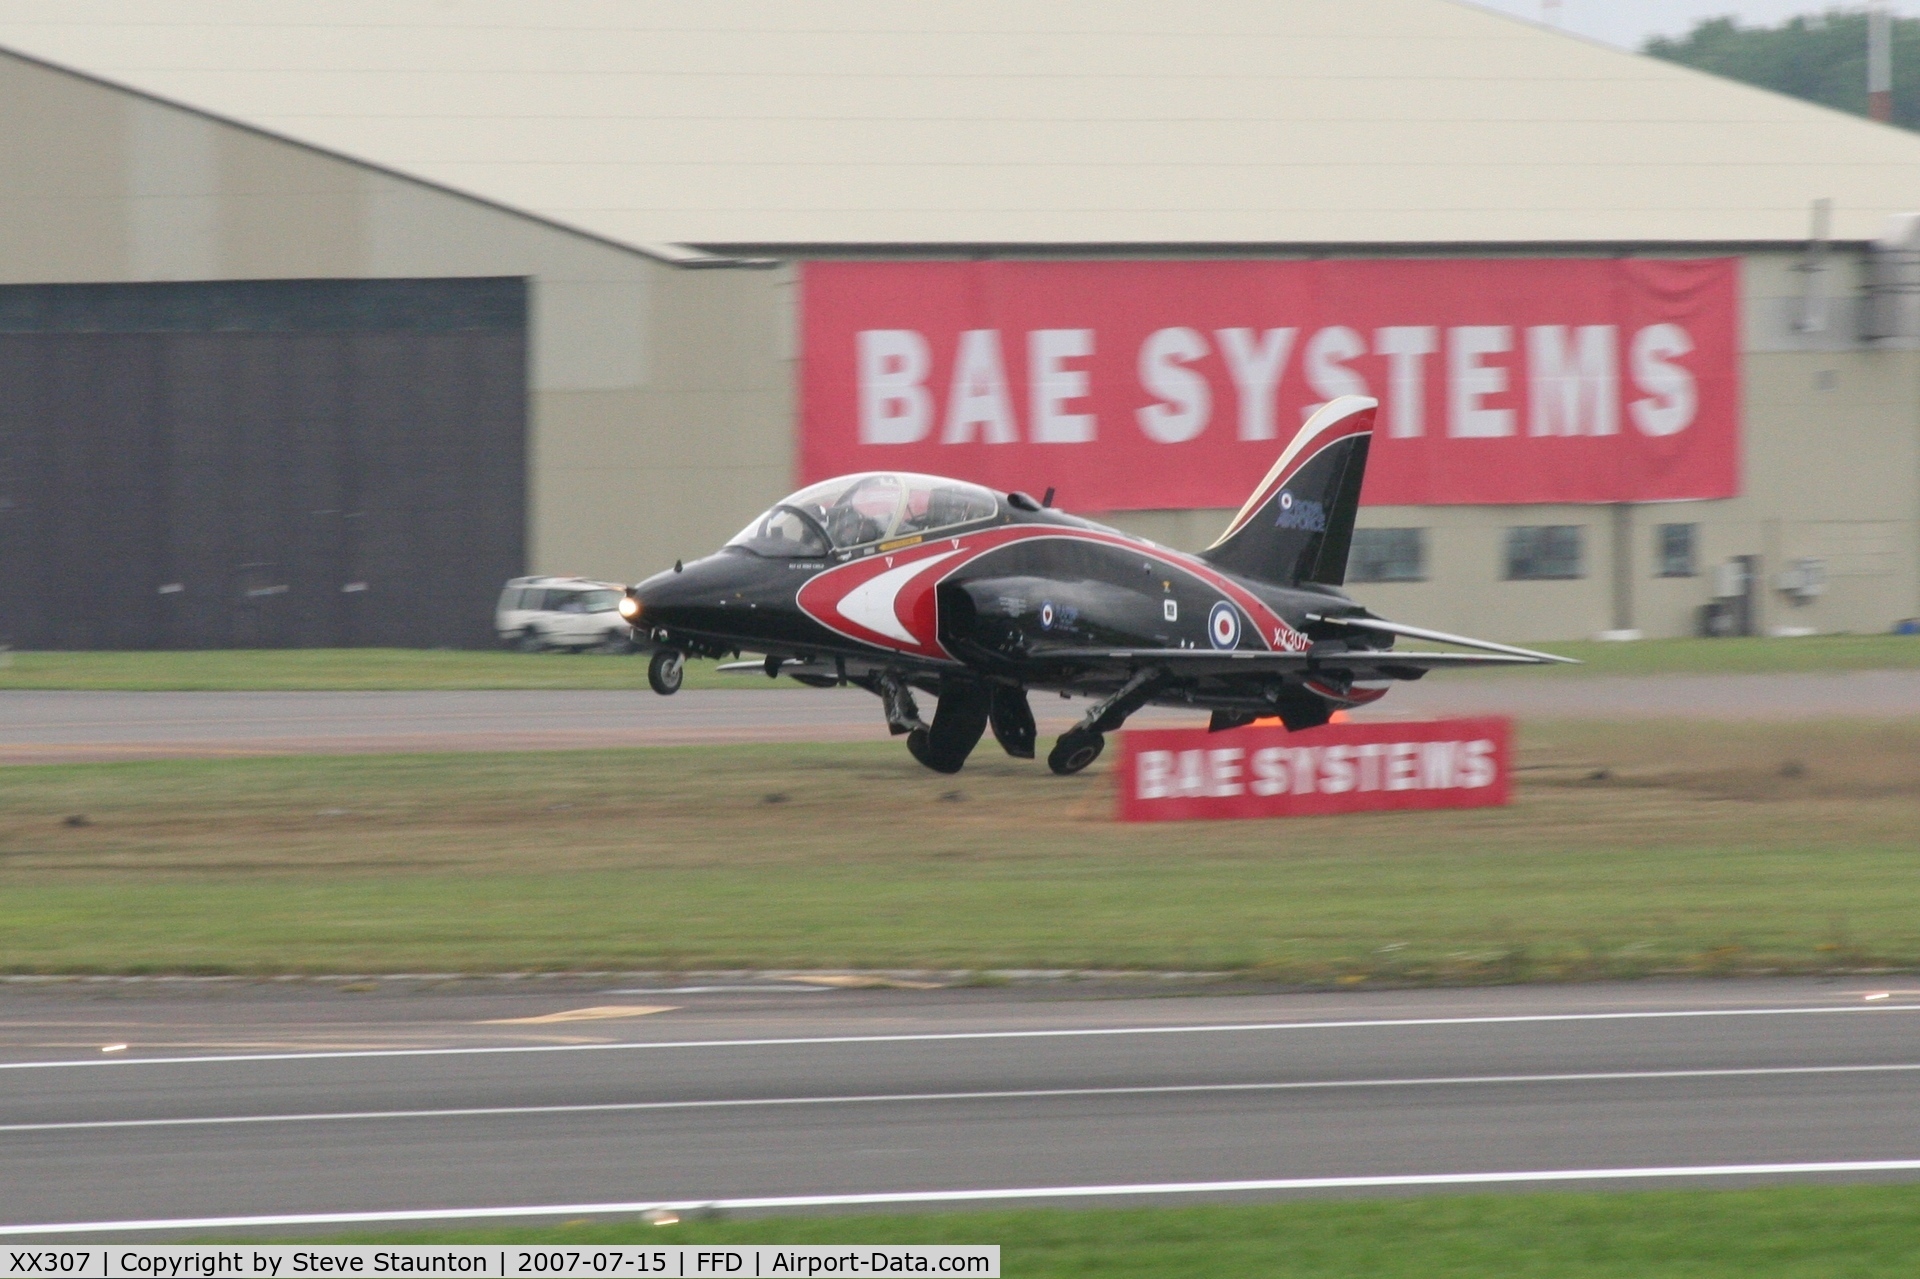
point(319, 319)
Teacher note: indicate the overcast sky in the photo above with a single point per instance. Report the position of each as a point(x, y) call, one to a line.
point(1627, 23)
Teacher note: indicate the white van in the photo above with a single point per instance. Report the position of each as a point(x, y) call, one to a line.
point(571, 613)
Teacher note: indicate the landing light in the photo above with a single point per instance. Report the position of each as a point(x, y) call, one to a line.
point(629, 607)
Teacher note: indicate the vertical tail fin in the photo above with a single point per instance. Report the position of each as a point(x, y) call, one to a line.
point(1298, 525)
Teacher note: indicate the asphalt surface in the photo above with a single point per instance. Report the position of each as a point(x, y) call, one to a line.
point(41, 727)
point(237, 1100)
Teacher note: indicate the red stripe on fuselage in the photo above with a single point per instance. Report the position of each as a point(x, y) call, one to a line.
point(915, 604)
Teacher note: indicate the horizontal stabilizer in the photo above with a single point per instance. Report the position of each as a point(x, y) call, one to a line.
point(1441, 637)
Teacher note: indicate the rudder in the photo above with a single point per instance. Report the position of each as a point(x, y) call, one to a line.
point(1298, 525)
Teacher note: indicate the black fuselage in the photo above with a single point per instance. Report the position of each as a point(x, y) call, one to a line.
point(896, 582)
point(1017, 598)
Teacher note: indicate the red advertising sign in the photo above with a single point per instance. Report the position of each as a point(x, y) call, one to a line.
point(1178, 774)
point(1144, 385)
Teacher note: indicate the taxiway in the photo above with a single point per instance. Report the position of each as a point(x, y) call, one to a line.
point(46, 727)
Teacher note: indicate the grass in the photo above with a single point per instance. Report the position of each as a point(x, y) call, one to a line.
point(393, 668)
point(1630, 849)
point(1781, 1233)
point(344, 670)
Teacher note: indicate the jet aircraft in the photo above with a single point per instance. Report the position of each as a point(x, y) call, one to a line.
point(902, 583)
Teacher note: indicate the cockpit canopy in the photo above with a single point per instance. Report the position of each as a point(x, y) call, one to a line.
point(858, 510)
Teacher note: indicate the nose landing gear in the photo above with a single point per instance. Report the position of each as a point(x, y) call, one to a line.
point(666, 669)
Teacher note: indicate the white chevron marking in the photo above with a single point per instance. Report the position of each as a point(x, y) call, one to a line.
point(870, 604)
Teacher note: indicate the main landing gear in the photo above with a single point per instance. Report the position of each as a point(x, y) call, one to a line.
point(1012, 721)
point(957, 725)
point(966, 708)
point(1080, 745)
point(1076, 748)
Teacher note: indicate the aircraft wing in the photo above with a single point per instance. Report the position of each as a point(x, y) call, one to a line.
point(1363, 663)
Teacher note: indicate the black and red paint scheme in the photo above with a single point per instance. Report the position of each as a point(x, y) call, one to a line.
point(897, 582)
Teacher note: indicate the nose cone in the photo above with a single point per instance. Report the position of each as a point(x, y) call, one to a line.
point(694, 597)
point(660, 600)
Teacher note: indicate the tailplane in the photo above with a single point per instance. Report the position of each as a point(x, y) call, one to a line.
point(1298, 525)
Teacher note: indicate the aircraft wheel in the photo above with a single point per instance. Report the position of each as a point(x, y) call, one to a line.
point(1076, 749)
point(920, 746)
point(665, 670)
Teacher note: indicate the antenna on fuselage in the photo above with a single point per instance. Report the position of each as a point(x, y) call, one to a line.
point(1048, 499)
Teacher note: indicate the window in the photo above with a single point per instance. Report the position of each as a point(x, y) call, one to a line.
point(1675, 547)
point(858, 510)
point(1544, 552)
point(783, 533)
point(601, 601)
point(1388, 555)
point(936, 504)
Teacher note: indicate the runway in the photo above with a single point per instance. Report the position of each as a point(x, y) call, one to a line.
point(48, 727)
point(269, 1101)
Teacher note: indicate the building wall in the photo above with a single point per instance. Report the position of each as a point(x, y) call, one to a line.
point(659, 397)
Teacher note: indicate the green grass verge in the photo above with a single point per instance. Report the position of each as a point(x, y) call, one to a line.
point(1782, 1233)
point(345, 670)
point(392, 668)
point(1630, 849)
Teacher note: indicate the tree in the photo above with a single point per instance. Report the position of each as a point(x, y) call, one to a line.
point(1820, 57)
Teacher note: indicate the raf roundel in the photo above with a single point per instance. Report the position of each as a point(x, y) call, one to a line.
point(1046, 616)
point(1223, 626)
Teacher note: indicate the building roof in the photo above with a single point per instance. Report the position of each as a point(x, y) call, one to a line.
point(771, 122)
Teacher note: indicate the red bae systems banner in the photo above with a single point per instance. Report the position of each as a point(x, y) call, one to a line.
point(1140, 385)
point(1177, 774)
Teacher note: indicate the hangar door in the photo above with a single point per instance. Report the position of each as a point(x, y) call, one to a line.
point(281, 463)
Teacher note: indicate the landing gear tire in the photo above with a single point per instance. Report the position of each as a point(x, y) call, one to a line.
point(1077, 748)
point(665, 670)
point(530, 641)
point(956, 730)
point(920, 746)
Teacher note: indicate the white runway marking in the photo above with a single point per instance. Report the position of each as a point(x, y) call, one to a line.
point(1006, 1094)
point(1874, 1010)
point(1147, 1189)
